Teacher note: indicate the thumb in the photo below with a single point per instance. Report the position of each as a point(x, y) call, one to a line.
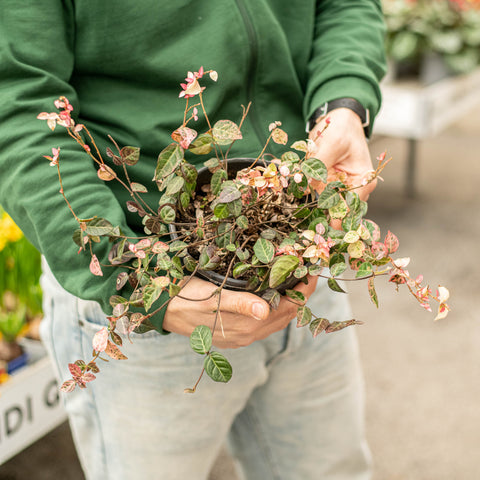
point(244, 303)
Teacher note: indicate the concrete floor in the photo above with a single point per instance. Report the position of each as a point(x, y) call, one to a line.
point(422, 378)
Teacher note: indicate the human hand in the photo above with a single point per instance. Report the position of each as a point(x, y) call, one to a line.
point(342, 147)
point(243, 318)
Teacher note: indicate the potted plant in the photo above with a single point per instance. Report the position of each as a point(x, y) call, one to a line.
point(432, 39)
point(261, 224)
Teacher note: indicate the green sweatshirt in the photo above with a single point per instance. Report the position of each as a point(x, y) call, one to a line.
point(120, 64)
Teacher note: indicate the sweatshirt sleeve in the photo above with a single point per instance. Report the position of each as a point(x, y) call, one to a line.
point(347, 58)
point(37, 61)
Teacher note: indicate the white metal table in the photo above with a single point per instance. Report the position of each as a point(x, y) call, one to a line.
point(415, 112)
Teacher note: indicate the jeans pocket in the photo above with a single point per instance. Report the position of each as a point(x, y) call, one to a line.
point(91, 319)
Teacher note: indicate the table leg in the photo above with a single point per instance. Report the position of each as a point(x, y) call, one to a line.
point(410, 177)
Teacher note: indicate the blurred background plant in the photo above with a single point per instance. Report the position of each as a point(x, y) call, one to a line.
point(20, 293)
point(443, 29)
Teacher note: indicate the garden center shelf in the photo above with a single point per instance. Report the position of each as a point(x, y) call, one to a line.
point(30, 403)
point(414, 111)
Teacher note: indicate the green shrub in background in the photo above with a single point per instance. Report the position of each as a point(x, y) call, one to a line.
point(449, 28)
point(20, 293)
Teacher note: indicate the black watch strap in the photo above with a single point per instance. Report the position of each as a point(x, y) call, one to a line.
point(349, 103)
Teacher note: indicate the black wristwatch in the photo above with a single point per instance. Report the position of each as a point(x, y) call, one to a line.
point(349, 103)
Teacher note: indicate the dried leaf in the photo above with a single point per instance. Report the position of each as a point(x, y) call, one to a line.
point(114, 352)
point(105, 173)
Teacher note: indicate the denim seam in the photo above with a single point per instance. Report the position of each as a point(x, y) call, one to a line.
point(92, 391)
point(52, 343)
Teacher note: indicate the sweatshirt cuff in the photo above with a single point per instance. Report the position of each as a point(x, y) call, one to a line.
point(347, 87)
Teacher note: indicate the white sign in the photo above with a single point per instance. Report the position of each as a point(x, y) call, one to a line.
point(30, 406)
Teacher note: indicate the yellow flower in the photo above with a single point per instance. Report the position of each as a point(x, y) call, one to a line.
point(9, 232)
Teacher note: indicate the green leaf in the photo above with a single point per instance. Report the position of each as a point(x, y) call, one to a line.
point(150, 294)
point(167, 214)
point(315, 169)
point(240, 268)
point(281, 269)
point(99, 227)
point(269, 234)
point(201, 339)
point(221, 211)
point(130, 155)
point(217, 367)
point(272, 297)
point(174, 185)
point(164, 262)
point(242, 255)
point(201, 145)
point(166, 199)
point(117, 299)
point(300, 272)
point(188, 172)
point(303, 212)
point(138, 187)
point(290, 157)
point(352, 199)
point(144, 327)
point(242, 222)
point(212, 162)
point(295, 295)
point(333, 284)
point(315, 270)
point(168, 160)
point(217, 181)
point(304, 316)
point(338, 268)
point(235, 207)
point(225, 132)
point(184, 199)
point(318, 326)
point(189, 263)
point(364, 270)
point(229, 193)
point(336, 326)
point(339, 210)
point(351, 222)
point(178, 246)
point(264, 250)
point(174, 289)
point(328, 198)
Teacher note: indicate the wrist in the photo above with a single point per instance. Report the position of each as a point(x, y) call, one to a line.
point(341, 103)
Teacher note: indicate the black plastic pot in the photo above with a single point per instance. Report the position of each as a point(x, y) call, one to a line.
point(204, 176)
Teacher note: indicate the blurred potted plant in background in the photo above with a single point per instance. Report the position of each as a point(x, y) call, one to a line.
point(432, 39)
point(20, 293)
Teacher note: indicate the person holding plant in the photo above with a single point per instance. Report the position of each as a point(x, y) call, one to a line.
point(294, 408)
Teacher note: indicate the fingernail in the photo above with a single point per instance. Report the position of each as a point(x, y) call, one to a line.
point(258, 311)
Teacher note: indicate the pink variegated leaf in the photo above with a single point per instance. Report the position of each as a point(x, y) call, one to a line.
point(100, 340)
point(391, 242)
point(75, 370)
point(68, 386)
point(159, 247)
point(95, 266)
point(184, 136)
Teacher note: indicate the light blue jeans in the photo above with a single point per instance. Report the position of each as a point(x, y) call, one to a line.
point(292, 411)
